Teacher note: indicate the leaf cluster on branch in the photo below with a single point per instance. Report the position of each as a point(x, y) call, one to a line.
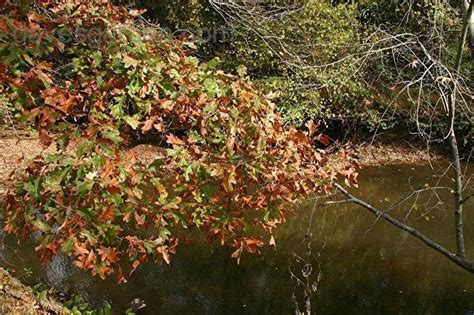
point(91, 77)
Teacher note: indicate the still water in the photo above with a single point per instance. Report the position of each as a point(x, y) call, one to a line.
point(366, 266)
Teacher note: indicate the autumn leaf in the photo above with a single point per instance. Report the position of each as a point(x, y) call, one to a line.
point(167, 104)
point(3, 24)
point(108, 254)
point(120, 277)
point(135, 265)
point(159, 126)
point(59, 99)
point(272, 241)
point(312, 127)
point(148, 124)
point(238, 253)
point(79, 249)
point(202, 99)
point(106, 215)
point(173, 140)
point(45, 138)
point(323, 139)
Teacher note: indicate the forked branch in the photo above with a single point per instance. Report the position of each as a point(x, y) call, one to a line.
point(458, 260)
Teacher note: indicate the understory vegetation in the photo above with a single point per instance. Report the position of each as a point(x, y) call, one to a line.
point(323, 60)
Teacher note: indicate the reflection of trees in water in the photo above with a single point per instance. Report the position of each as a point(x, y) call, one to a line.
point(305, 271)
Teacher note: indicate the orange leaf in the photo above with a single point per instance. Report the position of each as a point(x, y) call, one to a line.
point(202, 99)
point(172, 139)
point(238, 253)
point(45, 138)
point(79, 249)
point(167, 104)
point(148, 125)
point(106, 215)
point(159, 126)
point(3, 25)
point(135, 265)
point(120, 277)
point(323, 139)
point(311, 127)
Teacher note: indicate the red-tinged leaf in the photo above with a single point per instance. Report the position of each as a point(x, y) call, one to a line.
point(44, 65)
point(238, 253)
point(202, 99)
point(34, 167)
point(139, 219)
point(202, 129)
point(323, 139)
point(90, 260)
point(164, 253)
point(126, 217)
point(135, 265)
point(3, 25)
point(167, 104)
point(148, 125)
point(247, 96)
point(312, 127)
point(78, 263)
point(45, 138)
point(160, 126)
point(80, 250)
point(108, 254)
point(107, 214)
point(90, 132)
point(172, 139)
point(59, 99)
point(277, 126)
point(120, 277)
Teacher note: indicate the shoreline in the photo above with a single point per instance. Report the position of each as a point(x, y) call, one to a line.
point(16, 148)
point(17, 298)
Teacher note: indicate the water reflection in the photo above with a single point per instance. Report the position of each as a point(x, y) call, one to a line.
point(367, 265)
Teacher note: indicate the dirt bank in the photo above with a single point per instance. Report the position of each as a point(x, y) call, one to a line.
point(393, 154)
point(16, 298)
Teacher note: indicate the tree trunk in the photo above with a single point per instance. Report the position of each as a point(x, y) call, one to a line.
point(461, 251)
point(470, 23)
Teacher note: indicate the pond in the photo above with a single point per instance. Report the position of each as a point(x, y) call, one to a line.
point(366, 265)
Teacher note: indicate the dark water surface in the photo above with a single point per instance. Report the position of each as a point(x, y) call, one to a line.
point(367, 266)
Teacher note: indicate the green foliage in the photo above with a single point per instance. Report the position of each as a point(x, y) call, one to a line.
point(77, 306)
point(322, 33)
point(284, 53)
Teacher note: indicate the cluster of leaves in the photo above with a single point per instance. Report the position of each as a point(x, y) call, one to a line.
point(90, 77)
point(418, 17)
point(76, 306)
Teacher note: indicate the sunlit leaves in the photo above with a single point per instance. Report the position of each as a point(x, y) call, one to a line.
point(226, 162)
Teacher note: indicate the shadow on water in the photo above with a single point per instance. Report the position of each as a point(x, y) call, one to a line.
point(367, 265)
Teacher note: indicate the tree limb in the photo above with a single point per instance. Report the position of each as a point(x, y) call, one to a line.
point(458, 199)
point(464, 263)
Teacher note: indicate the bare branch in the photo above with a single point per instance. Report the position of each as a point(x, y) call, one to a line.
point(460, 261)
